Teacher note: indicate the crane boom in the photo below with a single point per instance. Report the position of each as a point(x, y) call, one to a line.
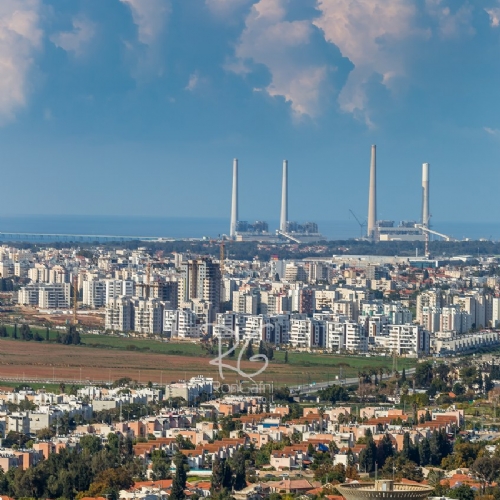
point(361, 224)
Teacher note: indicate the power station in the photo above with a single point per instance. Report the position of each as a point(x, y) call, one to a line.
point(259, 231)
point(386, 230)
point(376, 230)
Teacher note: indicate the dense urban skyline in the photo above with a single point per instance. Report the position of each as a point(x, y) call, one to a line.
point(127, 101)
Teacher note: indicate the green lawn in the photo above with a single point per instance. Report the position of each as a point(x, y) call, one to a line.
point(55, 388)
point(130, 343)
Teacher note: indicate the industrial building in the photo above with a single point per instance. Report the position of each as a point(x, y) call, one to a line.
point(259, 231)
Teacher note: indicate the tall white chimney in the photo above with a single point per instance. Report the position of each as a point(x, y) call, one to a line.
point(284, 198)
point(425, 195)
point(234, 201)
point(372, 195)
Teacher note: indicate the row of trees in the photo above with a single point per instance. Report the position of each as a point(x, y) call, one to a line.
point(24, 332)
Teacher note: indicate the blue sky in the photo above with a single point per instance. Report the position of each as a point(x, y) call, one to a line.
point(137, 107)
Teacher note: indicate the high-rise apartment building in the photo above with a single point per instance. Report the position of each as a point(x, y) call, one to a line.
point(200, 279)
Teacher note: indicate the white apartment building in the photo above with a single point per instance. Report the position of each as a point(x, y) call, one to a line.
point(356, 338)
point(94, 293)
point(408, 340)
point(307, 333)
point(39, 274)
point(119, 288)
point(54, 296)
point(273, 303)
point(431, 299)
point(21, 269)
point(245, 302)
point(397, 314)
point(226, 325)
point(280, 329)
point(28, 295)
point(495, 311)
point(45, 296)
point(257, 328)
point(147, 315)
point(181, 323)
point(119, 314)
point(58, 274)
point(335, 334)
point(324, 299)
point(6, 269)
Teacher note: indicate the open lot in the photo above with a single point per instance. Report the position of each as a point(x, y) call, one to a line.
point(106, 358)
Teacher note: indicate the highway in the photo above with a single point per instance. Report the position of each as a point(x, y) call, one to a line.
point(311, 388)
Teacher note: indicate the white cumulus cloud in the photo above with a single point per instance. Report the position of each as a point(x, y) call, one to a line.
point(150, 16)
point(365, 32)
point(75, 41)
point(494, 132)
point(271, 40)
point(225, 8)
point(494, 14)
point(20, 39)
point(452, 24)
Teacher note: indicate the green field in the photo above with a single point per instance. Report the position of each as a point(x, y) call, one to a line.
point(302, 367)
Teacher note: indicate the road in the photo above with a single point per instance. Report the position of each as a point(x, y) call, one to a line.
point(311, 388)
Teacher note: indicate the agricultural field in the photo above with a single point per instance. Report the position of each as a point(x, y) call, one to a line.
point(107, 358)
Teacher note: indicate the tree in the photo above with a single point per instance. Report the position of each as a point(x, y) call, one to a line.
point(240, 470)
point(286, 357)
point(231, 347)
point(249, 350)
point(424, 452)
point(47, 334)
point(160, 465)
point(368, 455)
point(384, 450)
point(462, 492)
point(423, 374)
point(180, 478)
point(270, 353)
point(435, 477)
point(262, 347)
point(25, 332)
point(217, 475)
point(487, 469)
point(14, 333)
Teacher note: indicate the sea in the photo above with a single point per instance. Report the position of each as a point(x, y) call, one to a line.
point(198, 227)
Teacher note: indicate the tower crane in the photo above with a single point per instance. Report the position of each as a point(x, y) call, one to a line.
point(362, 225)
point(75, 299)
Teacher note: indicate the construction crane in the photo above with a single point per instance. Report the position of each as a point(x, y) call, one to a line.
point(148, 279)
point(75, 299)
point(362, 225)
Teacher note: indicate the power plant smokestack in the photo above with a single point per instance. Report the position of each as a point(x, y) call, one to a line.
point(425, 195)
point(372, 195)
point(234, 201)
point(284, 198)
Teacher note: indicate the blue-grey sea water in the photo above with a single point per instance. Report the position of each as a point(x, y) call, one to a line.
point(179, 227)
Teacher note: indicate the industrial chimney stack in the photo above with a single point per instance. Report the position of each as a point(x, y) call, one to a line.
point(372, 196)
point(234, 201)
point(284, 198)
point(425, 195)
